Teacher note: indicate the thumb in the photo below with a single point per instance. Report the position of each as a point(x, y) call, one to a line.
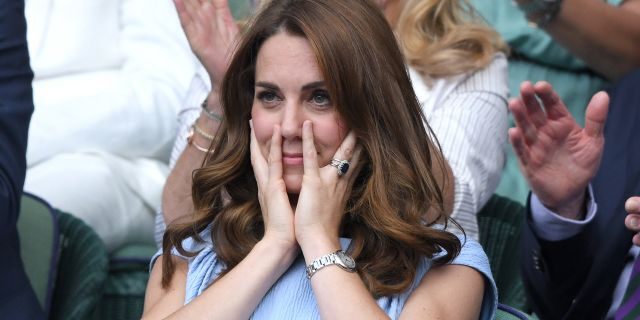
point(596, 114)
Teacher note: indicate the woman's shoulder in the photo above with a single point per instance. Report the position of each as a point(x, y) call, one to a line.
point(472, 255)
point(203, 263)
point(193, 249)
point(492, 79)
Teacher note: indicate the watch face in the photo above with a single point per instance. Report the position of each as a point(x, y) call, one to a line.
point(347, 260)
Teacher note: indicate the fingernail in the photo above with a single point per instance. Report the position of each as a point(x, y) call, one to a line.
point(633, 204)
point(634, 222)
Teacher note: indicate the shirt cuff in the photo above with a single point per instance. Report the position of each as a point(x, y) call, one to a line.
point(553, 227)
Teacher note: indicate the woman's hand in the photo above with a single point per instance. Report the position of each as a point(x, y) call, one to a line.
point(211, 31)
point(323, 196)
point(272, 192)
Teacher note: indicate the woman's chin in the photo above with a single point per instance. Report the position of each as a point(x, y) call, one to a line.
point(293, 183)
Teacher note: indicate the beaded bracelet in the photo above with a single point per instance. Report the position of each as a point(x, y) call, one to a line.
point(191, 141)
point(212, 115)
point(201, 132)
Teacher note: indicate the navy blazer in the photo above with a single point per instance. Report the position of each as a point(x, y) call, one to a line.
point(17, 299)
point(575, 278)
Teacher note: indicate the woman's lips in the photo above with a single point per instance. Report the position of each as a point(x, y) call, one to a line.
point(292, 159)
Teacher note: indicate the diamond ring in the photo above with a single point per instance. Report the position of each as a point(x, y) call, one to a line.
point(341, 165)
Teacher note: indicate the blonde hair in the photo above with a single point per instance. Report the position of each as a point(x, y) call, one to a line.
point(441, 38)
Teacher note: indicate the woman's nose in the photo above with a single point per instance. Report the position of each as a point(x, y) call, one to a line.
point(292, 119)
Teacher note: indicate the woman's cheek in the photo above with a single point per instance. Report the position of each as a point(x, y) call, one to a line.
point(263, 130)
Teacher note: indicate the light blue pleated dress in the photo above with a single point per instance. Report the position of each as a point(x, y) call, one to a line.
point(291, 297)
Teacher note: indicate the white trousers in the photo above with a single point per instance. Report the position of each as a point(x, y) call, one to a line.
point(117, 197)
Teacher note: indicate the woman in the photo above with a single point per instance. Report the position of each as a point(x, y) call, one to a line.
point(336, 157)
point(458, 71)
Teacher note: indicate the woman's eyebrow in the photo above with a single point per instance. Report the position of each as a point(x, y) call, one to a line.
point(308, 86)
point(313, 85)
point(267, 85)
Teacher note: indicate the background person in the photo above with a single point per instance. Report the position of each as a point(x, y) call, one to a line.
point(579, 47)
point(576, 253)
point(109, 75)
point(17, 299)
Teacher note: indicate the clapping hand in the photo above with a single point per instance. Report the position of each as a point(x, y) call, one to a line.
point(557, 157)
point(211, 31)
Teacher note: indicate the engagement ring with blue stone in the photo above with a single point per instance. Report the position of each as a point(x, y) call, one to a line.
point(341, 165)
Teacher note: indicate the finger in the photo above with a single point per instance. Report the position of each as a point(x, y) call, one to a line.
point(207, 16)
point(632, 205)
point(258, 162)
point(310, 154)
point(275, 154)
point(184, 16)
point(191, 17)
point(520, 115)
point(349, 151)
point(596, 114)
point(534, 109)
point(632, 222)
point(191, 7)
point(346, 148)
point(519, 147)
point(220, 4)
point(636, 239)
point(224, 19)
point(354, 166)
point(551, 101)
point(179, 5)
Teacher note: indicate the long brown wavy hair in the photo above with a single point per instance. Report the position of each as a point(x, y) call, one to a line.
point(403, 171)
point(441, 38)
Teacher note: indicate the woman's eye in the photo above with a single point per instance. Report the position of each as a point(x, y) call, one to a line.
point(268, 97)
point(321, 99)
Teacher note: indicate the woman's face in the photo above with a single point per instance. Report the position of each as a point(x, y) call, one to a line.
point(290, 89)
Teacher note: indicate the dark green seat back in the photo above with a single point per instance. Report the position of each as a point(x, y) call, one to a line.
point(123, 296)
point(39, 246)
point(82, 270)
point(500, 222)
point(508, 313)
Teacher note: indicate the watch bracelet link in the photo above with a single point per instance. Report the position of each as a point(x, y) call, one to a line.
point(327, 260)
